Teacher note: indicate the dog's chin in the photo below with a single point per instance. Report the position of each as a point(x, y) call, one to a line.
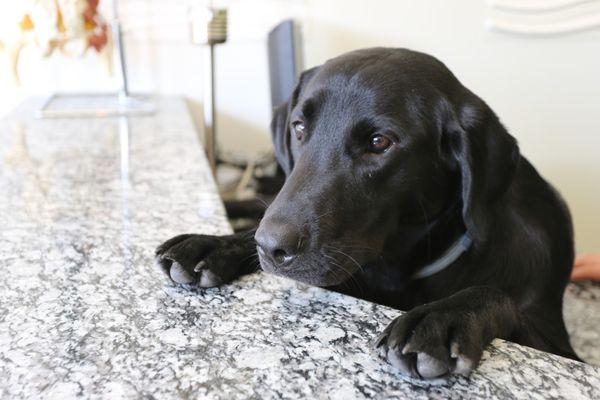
point(313, 276)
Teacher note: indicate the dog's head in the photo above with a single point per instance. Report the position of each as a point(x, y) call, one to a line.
point(377, 143)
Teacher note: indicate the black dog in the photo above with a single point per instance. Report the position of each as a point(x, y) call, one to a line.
point(403, 188)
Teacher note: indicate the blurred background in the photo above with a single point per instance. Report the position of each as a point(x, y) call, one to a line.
point(537, 63)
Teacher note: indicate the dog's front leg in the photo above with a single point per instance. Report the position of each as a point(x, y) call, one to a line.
point(448, 336)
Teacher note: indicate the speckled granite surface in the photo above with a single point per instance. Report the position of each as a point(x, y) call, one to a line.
point(83, 313)
point(582, 316)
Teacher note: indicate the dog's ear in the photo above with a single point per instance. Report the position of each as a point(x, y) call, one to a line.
point(486, 156)
point(280, 124)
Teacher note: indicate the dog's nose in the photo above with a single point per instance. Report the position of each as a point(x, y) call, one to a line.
point(278, 242)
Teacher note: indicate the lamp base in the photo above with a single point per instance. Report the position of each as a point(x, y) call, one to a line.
point(96, 105)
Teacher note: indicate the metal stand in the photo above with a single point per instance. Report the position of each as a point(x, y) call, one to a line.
point(209, 28)
point(209, 109)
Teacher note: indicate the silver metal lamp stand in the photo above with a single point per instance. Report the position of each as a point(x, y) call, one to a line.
point(209, 28)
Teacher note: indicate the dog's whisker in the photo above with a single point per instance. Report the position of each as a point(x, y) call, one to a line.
point(250, 257)
point(350, 247)
point(349, 257)
point(317, 219)
point(264, 203)
point(335, 263)
point(256, 265)
point(351, 278)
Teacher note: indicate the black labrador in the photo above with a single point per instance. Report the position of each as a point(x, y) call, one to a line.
point(403, 188)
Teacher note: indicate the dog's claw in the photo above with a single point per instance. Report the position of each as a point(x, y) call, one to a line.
point(407, 349)
point(454, 350)
point(200, 266)
point(179, 274)
point(380, 340)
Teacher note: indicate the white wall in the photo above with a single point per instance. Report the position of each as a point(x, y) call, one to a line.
point(546, 90)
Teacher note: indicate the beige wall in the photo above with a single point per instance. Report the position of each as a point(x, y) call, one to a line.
point(546, 90)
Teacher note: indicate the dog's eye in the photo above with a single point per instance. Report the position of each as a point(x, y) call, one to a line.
point(299, 129)
point(379, 143)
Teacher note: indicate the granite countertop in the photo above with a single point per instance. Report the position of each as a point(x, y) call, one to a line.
point(83, 312)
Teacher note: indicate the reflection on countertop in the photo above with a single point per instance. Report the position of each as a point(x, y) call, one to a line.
point(84, 313)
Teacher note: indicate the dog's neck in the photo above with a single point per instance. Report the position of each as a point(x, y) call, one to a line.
point(389, 279)
point(426, 248)
point(437, 241)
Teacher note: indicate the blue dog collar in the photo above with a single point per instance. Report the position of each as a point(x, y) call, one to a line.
point(456, 250)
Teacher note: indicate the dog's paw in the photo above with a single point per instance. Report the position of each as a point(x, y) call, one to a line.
point(429, 343)
point(202, 260)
